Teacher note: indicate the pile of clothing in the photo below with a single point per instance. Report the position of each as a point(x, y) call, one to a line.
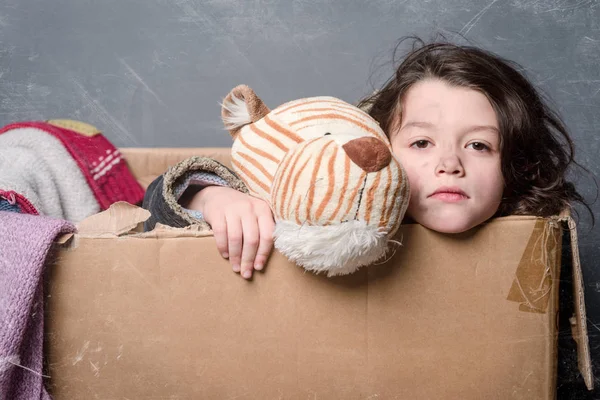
point(53, 174)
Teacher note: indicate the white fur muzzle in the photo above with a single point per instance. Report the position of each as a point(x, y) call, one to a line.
point(335, 249)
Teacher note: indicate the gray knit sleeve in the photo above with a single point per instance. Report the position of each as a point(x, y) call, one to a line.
point(194, 182)
point(162, 195)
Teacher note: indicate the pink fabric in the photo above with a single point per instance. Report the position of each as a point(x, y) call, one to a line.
point(25, 241)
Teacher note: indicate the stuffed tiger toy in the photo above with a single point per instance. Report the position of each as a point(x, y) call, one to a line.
point(327, 170)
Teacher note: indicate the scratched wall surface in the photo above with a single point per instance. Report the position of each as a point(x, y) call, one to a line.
point(150, 73)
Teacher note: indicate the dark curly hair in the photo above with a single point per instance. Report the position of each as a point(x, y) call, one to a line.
point(536, 148)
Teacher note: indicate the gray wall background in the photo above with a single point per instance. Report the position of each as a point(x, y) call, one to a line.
point(150, 73)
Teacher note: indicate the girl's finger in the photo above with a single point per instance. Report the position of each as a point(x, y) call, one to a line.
point(266, 225)
point(219, 228)
point(234, 240)
point(250, 244)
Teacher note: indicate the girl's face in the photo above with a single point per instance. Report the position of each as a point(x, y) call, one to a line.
point(449, 143)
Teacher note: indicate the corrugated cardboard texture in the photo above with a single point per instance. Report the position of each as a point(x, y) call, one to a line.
point(132, 317)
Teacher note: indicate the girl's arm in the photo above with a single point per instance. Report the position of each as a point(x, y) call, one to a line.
point(167, 194)
point(189, 193)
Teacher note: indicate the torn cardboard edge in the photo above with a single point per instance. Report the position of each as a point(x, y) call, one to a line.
point(531, 286)
point(579, 328)
point(123, 218)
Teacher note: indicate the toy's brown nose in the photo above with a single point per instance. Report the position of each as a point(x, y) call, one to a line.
point(369, 153)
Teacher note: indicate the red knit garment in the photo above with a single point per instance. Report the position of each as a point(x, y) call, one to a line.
point(100, 162)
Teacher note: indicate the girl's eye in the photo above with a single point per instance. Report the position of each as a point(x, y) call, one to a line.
point(478, 146)
point(420, 144)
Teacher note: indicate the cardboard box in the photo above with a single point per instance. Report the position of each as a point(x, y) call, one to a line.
point(161, 315)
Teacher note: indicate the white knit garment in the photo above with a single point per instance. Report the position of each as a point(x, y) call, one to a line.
point(36, 165)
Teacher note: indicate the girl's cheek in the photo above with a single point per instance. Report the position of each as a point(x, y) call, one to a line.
point(413, 180)
point(411, 165)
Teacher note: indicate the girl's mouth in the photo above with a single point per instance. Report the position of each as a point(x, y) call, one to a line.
point(450, 197)
point(449, 194)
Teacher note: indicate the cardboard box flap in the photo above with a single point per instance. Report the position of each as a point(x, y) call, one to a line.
point(123, 218)
point(165, 231)
point(579, 320)
point(119, 219)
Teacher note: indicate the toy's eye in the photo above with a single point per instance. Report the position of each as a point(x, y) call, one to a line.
point(327, 133)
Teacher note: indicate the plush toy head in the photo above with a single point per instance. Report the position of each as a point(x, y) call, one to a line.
point(327, 170)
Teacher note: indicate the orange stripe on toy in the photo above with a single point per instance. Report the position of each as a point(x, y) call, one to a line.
point(295, 182)
point(250, 176)
point(394, 197)
point(402, 198)
point(370, 197)
point(330, 186)
point(286, 132)
point(344, 187)
point(397, 206)
point(268, 138)
point(345, 110)
point(382, 221)
point(256, 165)
point(313, 179)
point(290, 161)
point(275, 195)
point(256, 149)
point(399, 196)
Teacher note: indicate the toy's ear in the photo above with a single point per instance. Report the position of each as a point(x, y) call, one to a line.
point(241, 107)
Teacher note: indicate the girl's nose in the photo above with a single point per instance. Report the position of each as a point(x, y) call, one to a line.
point(450, 164)
point(369, 153)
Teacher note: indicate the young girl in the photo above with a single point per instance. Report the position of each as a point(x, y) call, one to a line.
point(475, 137)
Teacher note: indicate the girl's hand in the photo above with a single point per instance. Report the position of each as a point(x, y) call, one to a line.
point(242, 225)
